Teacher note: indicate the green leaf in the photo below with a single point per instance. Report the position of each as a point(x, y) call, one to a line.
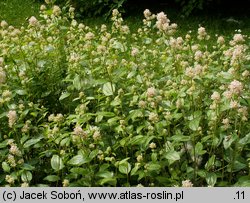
point(24, 138)
point(243, 181)
point(172, 156)
point(180, 138)
point(105, 174)
point(64, 96)
point(52, 178)
point(124, 160)
point(177, 116)
point(116, 102)
point(154, 167)
point(125, 167)
point(135, 169)
point(57, 163)
point(104, 167)
point(98, 118)
point(206, 138)
point(237, 166)
point(49, 48)
point(78, 160)
point(195, 120)
point(3, 144)
point(110, 181)
point(124, 141)
point(6, 167)
point(119, 46)
point(3, 115)
point(77, 83)
point(199, 149)
point(108, 89)
point(228, 140)
point(131, 74)
point(45, 94)
point(226, 106)
point(25, 112)
point(141, 174)
point(139, 79)
point(26, 176)
point(210, 163)
point(147, 40)
point(114, 120)
point(80, 171)
point(245, 140)
point(135, 114)
point(32, 142)
point(27, 167)
point(163, 180)
point(202, 173)
point(21, 92)
point(154, 157)
point(139, 129)
point(65, 142)
point(137, 140)
point(147, 140)
point(41, 63)
point(93, 154)
point(194, 124)
point(105, 114)
point(211, 179)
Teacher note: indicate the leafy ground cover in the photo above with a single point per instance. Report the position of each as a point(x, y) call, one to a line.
point(108, 105)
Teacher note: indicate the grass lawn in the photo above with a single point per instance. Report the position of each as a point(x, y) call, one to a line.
point(16, 12)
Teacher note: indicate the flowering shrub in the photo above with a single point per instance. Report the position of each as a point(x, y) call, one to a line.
point(90, 106)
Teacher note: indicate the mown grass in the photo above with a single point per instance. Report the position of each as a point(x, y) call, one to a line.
point(16, 12)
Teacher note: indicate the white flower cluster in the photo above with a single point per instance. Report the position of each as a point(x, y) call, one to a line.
point(235, 87)
point(57, 119)
point(237, 39)
point(33, 21)
point(10, 179)
point(12, 115)
point(202, 34)
point(151, 92)
point(147, 13)
point(153, 117)
point(187, 183)
point(195, 71)
point(14, 150)
point(78, 131)
point(216, 97)
point(163, 24)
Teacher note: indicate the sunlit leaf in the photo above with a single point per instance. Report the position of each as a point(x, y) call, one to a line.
point(26, 176)
point(57, 163)
point(108, 89)
point(52, 178)
point(78, 160)
point(64, 96)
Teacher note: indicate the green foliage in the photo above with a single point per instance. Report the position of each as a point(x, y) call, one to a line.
point(104, 106)
point(94, 7)
point(105, 7)
point(190, 5)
